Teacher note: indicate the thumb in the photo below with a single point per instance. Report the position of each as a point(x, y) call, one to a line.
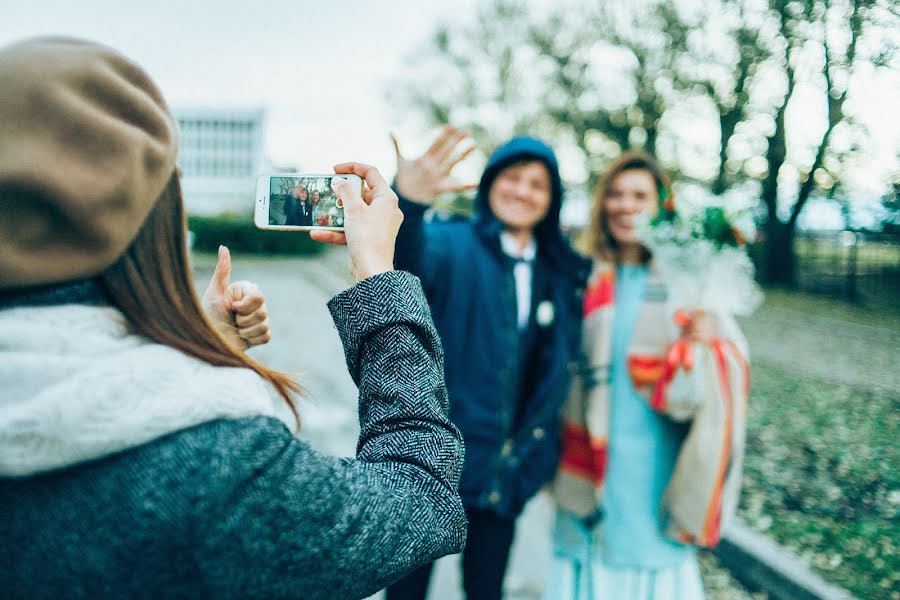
point(396, 147)
point(349, 193)
point(222, 273)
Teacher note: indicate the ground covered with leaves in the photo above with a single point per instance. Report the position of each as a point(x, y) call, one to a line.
point(821, 474)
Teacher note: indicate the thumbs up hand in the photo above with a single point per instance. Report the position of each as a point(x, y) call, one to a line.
point(237, 310)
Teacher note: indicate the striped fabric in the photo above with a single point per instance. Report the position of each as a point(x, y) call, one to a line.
point(704, 384)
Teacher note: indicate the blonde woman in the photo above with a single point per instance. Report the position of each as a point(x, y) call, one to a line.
point(653, 428)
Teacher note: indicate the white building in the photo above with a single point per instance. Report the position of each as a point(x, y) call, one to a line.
point(221, 153)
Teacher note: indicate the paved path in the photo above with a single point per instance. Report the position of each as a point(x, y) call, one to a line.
point(825, 347)
point(306, 343)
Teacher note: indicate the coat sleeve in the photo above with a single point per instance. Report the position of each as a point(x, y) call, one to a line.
point(287, 521)
point(420, 249)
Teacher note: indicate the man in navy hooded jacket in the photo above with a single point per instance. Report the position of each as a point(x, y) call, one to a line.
point(505, 293)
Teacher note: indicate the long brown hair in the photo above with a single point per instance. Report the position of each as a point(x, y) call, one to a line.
point(596, 240)
point(152, 285)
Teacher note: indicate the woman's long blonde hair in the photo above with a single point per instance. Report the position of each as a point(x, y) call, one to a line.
point(596, 240)
point(152, 285)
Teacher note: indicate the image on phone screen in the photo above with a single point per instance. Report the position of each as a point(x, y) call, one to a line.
point(304, 201)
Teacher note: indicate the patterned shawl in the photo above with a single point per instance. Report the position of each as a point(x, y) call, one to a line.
point(706, 384)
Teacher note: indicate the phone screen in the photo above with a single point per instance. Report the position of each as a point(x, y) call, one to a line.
point(305, 202)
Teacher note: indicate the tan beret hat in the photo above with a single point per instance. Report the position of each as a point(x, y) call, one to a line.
point(87, 144)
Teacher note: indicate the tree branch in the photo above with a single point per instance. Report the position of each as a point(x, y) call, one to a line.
point(729, 117)
point(777, 148)
point(835, 104)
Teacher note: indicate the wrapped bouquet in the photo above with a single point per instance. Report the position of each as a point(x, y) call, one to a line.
point(698, 248)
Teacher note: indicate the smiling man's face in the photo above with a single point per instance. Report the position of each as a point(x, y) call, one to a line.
point(520, 195)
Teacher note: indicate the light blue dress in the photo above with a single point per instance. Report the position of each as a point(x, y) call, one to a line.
point(627, 555)
point(643, 446)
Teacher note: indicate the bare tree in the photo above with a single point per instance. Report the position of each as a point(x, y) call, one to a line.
point(619, 76)
point(802, 25)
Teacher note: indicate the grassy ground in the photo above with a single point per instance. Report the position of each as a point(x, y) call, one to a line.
point(821, 473)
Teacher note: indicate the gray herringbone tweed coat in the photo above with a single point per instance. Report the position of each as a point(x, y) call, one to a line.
point(242, 509)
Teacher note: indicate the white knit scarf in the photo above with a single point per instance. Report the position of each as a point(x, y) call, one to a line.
point(76, 384)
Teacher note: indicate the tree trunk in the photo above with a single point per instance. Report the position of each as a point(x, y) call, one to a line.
point(780, 267)
point(650, 144)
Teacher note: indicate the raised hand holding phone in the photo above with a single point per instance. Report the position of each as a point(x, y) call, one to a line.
point(424, 178)
point(371, 221)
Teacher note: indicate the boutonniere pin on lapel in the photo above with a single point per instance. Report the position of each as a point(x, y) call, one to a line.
point(545, 314)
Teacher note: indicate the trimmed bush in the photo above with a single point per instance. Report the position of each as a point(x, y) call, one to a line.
point(241, 235)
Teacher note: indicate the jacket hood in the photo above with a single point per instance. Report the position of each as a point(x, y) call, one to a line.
point(78, 386)
point(515, 150)
point(549, 237)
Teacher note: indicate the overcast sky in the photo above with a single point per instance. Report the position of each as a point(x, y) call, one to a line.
point(321, 74)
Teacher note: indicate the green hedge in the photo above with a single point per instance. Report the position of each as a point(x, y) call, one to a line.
point(241, 235)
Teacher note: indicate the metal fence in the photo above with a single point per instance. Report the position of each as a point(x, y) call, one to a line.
point(859, 266)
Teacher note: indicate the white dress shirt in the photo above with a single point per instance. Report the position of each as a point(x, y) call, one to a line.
point(522, 272)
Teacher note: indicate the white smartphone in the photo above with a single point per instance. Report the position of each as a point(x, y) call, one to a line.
point(299, 202)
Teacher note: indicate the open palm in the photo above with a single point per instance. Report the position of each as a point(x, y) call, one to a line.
point(424, 178)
